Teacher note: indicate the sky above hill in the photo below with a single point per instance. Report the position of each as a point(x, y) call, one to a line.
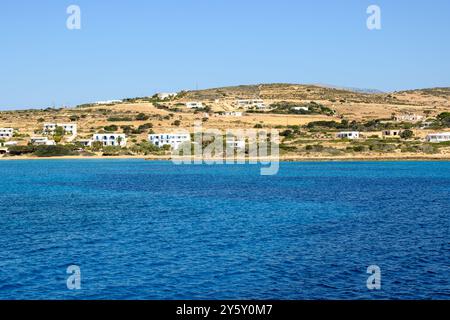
point(139, 47)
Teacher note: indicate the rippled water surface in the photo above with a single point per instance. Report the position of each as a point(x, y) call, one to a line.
point(153, 230)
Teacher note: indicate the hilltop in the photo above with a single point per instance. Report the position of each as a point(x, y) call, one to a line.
point(283, 91)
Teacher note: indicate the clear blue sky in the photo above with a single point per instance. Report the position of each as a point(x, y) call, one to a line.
point(138, 47)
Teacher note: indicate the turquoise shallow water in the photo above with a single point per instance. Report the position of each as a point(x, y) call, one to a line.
point(153, 230)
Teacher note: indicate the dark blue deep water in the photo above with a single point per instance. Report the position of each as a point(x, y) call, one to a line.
point(153, 230)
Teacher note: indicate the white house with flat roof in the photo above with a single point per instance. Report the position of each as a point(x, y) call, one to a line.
point(300, 108)
point(235, 144)
point(409, 117)
point(6, 133)
point(42, 141)
point(236, 114)
point(69, 128)
point(166, 95)
point(257, 104)
point(348, 135)
point(173, 140)
point(110, 139)
point(194, 105)
point(9, 143)
point(438, 137)
point(108, 102)
point(392, 133)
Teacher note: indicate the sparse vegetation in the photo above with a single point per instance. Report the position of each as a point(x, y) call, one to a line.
point(307, 117)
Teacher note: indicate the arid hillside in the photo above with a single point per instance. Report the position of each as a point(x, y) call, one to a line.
point(305, 114)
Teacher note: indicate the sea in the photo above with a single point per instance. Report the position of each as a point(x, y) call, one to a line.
point(135, 229)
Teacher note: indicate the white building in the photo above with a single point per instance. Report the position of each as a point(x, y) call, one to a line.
point(108, 102)
point(438, 137)
point(231, 114)
point(166, 95)
point(10, 143)
point(300, 108)
point(69, 128)
point(410, 117)
point(42, 141)
point(171, 139)
point(348, 135)
point(194, 105)
point(252, 104)
point(110, 139)
point(235, 144)
point(392, 133)
point(6, 133)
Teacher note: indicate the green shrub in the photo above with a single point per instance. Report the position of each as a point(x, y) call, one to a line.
point(111, 128)
point(359, 148)
point(406, 134)
point(145, 148)
point(285, 107)
point(55, 151)
point(142, 117)
point(127, 129)
point(119, 119)
point(20, 150)
point(111, 151)
point(314, 148)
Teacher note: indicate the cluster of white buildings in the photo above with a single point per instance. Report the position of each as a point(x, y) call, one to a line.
point(6, 134)
point(433, 137)
point(175, 140)
point(70, 129)
point(42, 141)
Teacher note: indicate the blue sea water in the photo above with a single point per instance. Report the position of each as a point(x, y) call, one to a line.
point(152, 230)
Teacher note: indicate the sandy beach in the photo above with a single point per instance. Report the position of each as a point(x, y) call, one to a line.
point(289, 158)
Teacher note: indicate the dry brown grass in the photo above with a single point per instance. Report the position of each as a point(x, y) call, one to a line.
point(350, 105)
